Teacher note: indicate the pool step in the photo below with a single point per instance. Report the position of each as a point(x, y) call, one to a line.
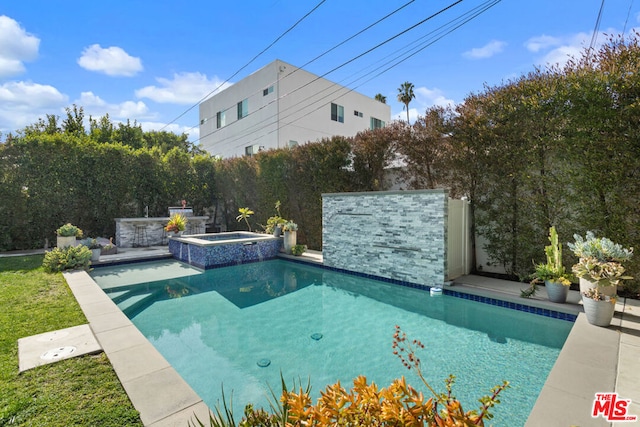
point(132, 301)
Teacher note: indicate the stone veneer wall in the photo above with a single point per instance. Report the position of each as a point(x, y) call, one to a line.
point(154, 230)
point(400, 235)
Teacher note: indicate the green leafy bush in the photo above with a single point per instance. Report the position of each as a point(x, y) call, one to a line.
point(298, 250)
point(69, 230)
point(68, 258)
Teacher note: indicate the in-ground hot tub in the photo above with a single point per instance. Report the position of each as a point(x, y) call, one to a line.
point(222, 249)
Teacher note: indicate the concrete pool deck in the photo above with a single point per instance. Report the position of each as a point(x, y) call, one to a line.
point(593, 359)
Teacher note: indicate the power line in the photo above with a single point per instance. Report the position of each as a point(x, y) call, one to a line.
point(594, 36)
point(350, 60)
point(624, 30)
point(388, 15)
point(247, 64)
point(320, 56)
point(478, 11)
point(438, 34)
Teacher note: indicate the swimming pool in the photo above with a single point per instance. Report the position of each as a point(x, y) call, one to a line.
point(214, 327)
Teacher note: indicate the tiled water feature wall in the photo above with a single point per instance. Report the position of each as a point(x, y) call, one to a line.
point(399, 235)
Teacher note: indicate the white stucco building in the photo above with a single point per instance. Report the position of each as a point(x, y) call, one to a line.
point(281, 106)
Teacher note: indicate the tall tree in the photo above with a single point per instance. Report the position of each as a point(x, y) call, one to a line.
point(380, 97)
point(406, 95)
point(74, 123)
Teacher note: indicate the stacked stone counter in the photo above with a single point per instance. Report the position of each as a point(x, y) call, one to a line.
point(155, 234)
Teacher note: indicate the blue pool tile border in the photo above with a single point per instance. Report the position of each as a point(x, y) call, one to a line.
point(477, 298)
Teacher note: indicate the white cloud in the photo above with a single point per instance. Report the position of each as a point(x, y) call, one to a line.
point(487, 51)
point(112, 61)
point(16, 46)
point(192, 132)
point(22, 103)
point(559, 50)
point(184, 88)
point(97, 107)
point(543, 42)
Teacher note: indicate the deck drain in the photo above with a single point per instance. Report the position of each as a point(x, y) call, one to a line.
point(57, 353)
point(317, 336)
point(263, 363)
point(52, 336)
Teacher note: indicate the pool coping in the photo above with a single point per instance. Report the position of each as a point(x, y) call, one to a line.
point(593, 359)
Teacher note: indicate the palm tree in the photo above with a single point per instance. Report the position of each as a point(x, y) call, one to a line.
point(245, 213)
point(380, 97)
point(405, 95)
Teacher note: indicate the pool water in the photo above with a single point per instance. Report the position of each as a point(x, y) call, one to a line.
point(216, 327)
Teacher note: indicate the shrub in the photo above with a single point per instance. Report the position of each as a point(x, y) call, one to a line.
point(298, 250)
point(68, 258)
point(69, 230)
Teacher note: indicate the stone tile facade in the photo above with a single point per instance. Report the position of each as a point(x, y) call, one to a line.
point(398, 235)
point(225, 253)
point(140, 232)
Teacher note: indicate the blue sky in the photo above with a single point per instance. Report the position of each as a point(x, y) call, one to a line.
point(152, 61)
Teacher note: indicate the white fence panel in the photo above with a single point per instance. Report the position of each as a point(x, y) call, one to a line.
point(458, 239)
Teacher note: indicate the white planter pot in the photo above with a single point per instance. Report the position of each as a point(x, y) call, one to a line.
point(95, 254)
point(585, 285)
point(557, 292)
point(599, 313)
point(65, 241)
point(290, 238)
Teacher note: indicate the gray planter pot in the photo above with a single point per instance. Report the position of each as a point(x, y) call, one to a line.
point(65, 241)
point(95, 254)
point(557, 292)
point(290, 238)
point(599, 313)
point(585, 285)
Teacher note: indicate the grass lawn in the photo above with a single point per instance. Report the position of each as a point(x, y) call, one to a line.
point(80, 391)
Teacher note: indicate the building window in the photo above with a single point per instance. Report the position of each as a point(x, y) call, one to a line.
point(251, 150)
point(267, 91)
point(376, 123)
point(357, 113)
point(220, 119)
point(337, 113)
point(243, 108)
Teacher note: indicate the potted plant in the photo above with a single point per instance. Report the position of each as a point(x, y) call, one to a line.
point(600, 270)
point(245, 213)
point(177, 224)
point(598, 308)
point(96, 249)
point(599, 263)
point(298, 250)
point(67, 234)
point(556, 280)
point(275, 222)
point(290, 236)
point(109, 248)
